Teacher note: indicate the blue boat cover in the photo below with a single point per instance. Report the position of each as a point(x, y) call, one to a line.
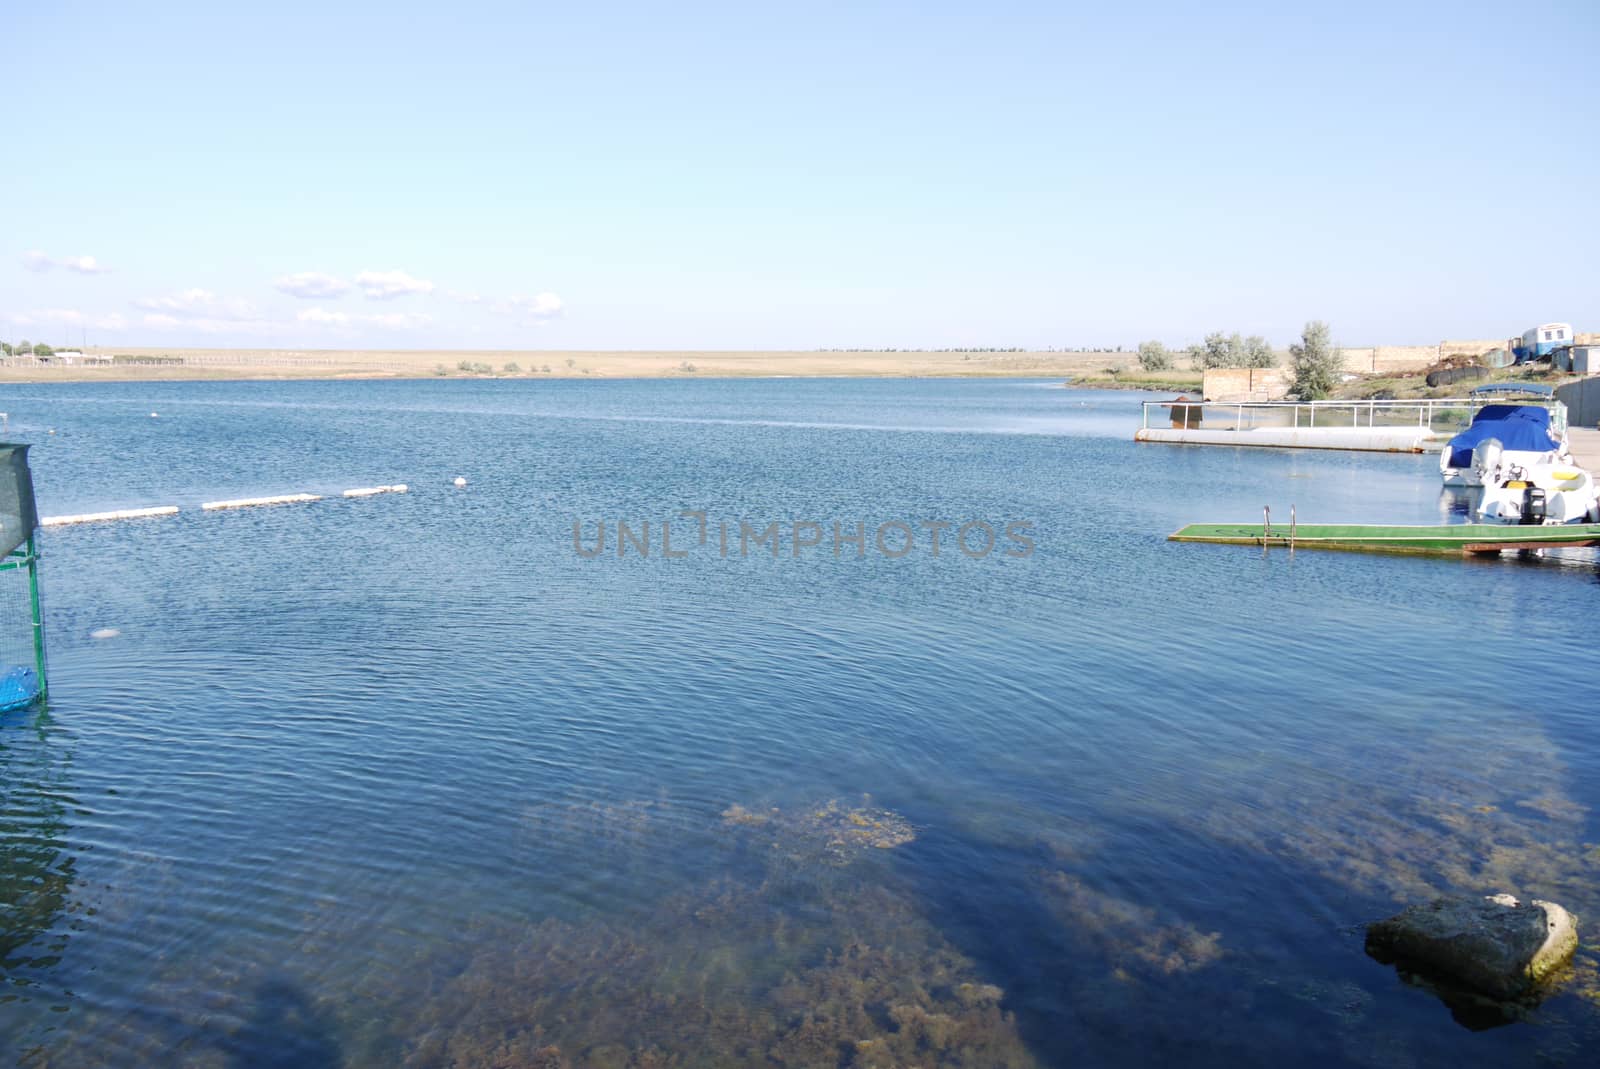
point(18, 687)
point(1525, 427)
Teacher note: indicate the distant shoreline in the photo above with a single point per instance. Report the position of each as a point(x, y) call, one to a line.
point(281, 365)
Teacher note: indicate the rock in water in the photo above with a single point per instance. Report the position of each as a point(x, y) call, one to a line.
point(1494, 946)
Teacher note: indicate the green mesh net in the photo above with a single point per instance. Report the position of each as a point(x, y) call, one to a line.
point(21, 627)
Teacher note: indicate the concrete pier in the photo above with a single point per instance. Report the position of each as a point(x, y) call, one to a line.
point(1585, 445)
point(1420, 425)
point(1373, 439)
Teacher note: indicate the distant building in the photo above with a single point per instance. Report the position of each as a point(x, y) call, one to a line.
point(1542, 340)
point(67, 356)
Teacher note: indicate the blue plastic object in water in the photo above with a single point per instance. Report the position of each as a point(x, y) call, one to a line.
point(18, 687)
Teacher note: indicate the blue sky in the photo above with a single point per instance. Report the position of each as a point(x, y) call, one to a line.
point(483, 175)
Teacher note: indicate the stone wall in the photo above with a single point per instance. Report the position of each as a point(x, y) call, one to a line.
point(1471, 346)
point(1383, 359)
point(1245, 384)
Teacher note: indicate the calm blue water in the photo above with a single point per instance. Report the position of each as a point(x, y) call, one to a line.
point(408, 781)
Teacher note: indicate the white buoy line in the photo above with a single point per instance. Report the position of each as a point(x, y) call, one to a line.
point(248, 502)
point(118, 514)
point(214, 506)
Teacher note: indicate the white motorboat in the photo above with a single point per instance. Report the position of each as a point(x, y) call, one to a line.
point(1541, 494)
point(1502, 437)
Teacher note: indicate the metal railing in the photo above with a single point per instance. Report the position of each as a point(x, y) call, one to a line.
point(1444, 415)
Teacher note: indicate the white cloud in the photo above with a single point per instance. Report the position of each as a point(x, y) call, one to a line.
point(387, 285)
point(84, 265)
point(321, 317)
point(537, 309)
point(37, 260)
point(200, 304)
point(312, 286)
point(400, 320)
point(256, 327)
point(202, 312)
point(464, 298)
point(185, 301)
point(47, 317)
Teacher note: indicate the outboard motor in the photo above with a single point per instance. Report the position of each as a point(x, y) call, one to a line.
point(1486, 460)
point(1533, 505)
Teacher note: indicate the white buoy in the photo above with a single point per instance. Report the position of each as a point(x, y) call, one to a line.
point(119, 514)
point(104, 632)
point(460, 481)
point(246, 502)
point(154, 415)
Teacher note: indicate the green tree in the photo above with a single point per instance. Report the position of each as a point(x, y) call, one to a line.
point(1220, 350)
point(1316, 362)
point(5, 347)
point(41, 349)
point(24, 347)
point(1153, 356)
point(1258, 353)
point(512, 369)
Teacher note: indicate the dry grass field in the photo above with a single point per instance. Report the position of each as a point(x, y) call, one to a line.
point(324, 364)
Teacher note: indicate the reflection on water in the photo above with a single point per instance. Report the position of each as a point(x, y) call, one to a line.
point(37, 866)
point(1459, 504)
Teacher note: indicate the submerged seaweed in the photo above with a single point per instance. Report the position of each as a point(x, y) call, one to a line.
point(800, 936)
point(1129, 936)
point(778, 969)
point(833, 832)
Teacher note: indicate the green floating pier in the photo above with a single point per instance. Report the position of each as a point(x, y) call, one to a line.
point(1444, 539)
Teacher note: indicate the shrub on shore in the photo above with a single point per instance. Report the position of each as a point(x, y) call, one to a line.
point(1153, 356)
point(1234, 350)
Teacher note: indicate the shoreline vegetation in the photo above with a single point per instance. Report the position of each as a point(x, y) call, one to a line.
point(1078, 369)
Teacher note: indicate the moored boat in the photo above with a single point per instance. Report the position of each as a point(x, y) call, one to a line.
point(1540, 494)
point(1502, 436)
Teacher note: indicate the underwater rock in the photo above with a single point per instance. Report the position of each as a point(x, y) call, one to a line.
point(1493, 946)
